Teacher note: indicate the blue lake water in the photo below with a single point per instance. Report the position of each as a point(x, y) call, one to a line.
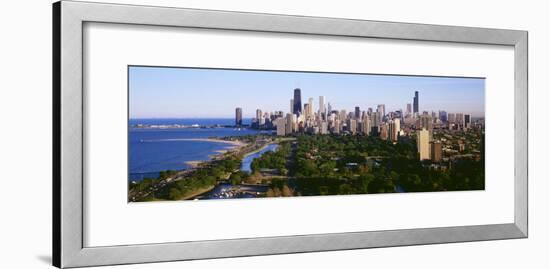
point(205, 122)
point(153, 150)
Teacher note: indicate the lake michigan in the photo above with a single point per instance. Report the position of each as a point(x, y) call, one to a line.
point(151, 150)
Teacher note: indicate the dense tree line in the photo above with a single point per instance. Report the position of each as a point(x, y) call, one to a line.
point(331, 165)
point(198, 179)
point(273, 159)
point(328, 165)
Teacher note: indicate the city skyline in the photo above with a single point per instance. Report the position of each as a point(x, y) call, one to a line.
point(158, 92)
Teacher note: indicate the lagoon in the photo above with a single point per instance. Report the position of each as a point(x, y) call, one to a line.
point(247, 160)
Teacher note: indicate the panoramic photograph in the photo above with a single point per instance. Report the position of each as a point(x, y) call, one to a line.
point(205, 133)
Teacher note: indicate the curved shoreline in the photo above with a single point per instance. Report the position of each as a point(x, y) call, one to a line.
point(195, 163)
point(236, 143)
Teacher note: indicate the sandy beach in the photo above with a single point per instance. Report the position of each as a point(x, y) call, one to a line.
point(234, 145)
point(194, 164)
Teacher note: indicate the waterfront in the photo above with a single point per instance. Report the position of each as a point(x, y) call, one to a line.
point(425, 135)
point(247, 160)
point(153, 150)
point(228, 191)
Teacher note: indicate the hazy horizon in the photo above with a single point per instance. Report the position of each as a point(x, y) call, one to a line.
point(187, 93)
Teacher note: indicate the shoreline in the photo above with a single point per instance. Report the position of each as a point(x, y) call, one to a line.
point(260, 149)
point(235, 143)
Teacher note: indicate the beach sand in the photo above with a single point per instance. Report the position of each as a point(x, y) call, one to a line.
point(235, 145)
point(194, 164)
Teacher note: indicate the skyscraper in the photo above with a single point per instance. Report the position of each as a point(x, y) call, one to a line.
point(337, 126)
point(375, 119)
point(423, 144)
point(443, 115)
point(451, 117)
point(321, 105)
point(311, 111)
point(395, 127)
point(289, 127)
point(460, 119)
point(323, 127)
point(426, 122)
point(291, 105)
point(357, 112)
point(467, 120)
point(342, 115)
point(297, 109)
point(238, 116)
point(409, 109)
point(381, 112)
point(281, 126)
point(352, 126)
point(384, 131)
point(259, 117)
point(366, 125)
point(436, 151)
point(415, 102)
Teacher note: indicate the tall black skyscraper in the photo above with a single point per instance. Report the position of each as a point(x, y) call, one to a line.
point(357, 112)
point(238, 116)
point(297, 102)
point(415, 102)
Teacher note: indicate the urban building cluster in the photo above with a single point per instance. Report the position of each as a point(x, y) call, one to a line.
point(387, 125)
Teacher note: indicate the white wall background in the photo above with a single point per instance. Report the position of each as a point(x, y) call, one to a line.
point(25, 133)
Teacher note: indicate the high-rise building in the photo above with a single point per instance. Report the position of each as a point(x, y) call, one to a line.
point(291, 105)
point(259, 116)
point(443, 115)
point(357, 112)
point(342, 115)
point(322, 111)
point(437, 152)
point(366, 126)
point(409, 109)
point(381, 110)
point(297, 109)
point(281, 128)
point(323, 127)
point(295, 122)
point(423, 144)
point(311, 111)
point(415, 102)
point(467, 120)
point(238, 116)
point(289, 126)
point(395, 127)
point(352, 126)
point(307, 109)
point(451, 117)
point(375, 119)
point(460, 119)
point(337, 126)
point(384, 131)
point(426, 122)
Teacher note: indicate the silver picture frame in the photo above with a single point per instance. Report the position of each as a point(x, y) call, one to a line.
point(68, 93)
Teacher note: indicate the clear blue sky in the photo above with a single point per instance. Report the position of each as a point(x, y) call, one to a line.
point(157, 92)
